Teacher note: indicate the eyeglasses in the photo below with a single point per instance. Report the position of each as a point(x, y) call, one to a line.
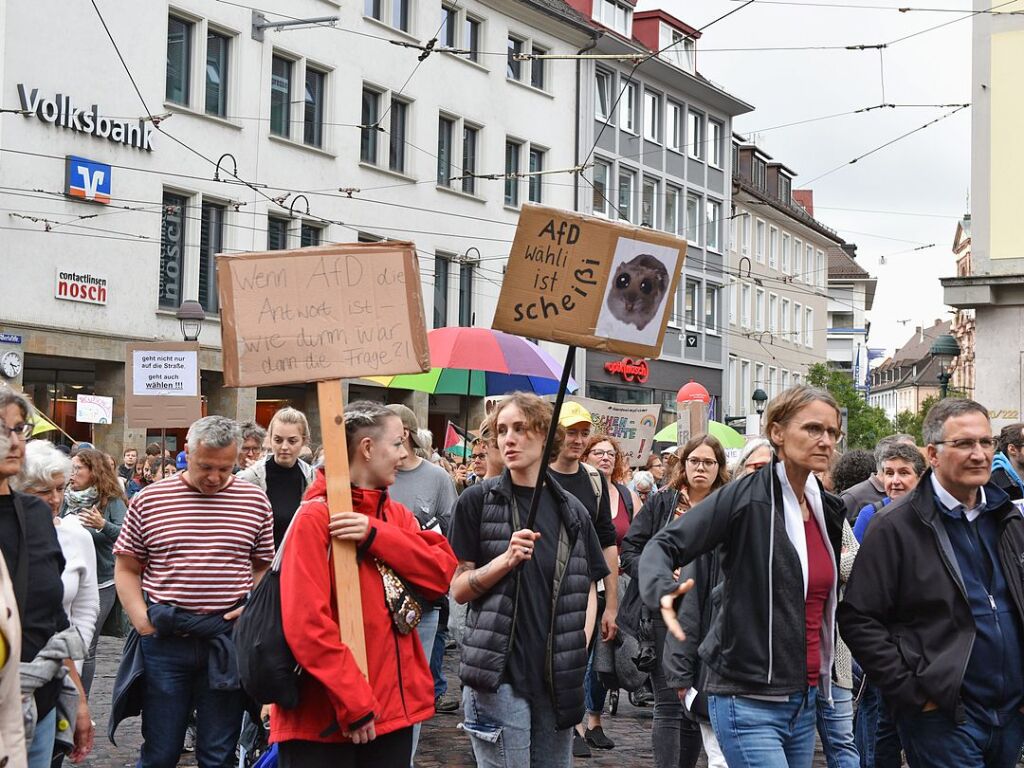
point(705, 463)
point(816, 431)
point(252, 449)
point(986, 444)
point(604, 452)
point(478, 456)
point(23, 430)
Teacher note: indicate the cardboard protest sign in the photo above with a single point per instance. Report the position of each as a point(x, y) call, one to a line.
point(162, 385)
point(316, 314)
point(94, 409)
point(589, 282)
point(633, 425)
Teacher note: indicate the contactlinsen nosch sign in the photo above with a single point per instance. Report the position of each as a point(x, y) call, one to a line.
point(77, 286)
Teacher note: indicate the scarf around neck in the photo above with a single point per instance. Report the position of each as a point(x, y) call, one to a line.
point(79, 501)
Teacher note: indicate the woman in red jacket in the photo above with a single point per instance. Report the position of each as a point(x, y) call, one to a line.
point(342, 719)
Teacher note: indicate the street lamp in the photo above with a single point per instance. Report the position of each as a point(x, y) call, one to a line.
point(191, 315)
point(760, 397)
point(943, 351)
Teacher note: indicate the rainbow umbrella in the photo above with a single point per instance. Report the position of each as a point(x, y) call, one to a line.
point(726, 435)
point(480, 362)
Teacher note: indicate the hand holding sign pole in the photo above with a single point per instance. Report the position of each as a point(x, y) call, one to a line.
point(324, 314)
point(587, 282)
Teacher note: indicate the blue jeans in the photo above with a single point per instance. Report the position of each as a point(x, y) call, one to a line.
point(40, 751)
point(765, 734)
point(835, 728)
point(933, 740)
point(426, 629)
point(176, 683)
point(437, 663)
point(875, 735)
point(594, 692)
point(507, 731)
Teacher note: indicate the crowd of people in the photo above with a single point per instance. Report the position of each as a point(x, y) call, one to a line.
point(872, 599)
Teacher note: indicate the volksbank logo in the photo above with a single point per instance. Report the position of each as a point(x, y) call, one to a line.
point(87, 179)
point(62, 112)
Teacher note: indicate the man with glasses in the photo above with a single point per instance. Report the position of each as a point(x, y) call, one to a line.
point(934, 606)
point(253, 437)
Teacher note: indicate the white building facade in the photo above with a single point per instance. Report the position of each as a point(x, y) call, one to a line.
point(266, 138)
point(851, 294)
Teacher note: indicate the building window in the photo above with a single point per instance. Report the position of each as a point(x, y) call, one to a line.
point(627, 181)
point(759, 310)
point(716, 133)
point(470, 136)
point(785, 188)
point(711, 308)
point(627, 108)
point(536, 167)
point(514, 69)
point(512, 149)
point(445, 135)
point(714, 225)
point(696, 137)
point(758, 173)
point(372, 8)
point(773, 313)
point(773, 247)
point(652, 116)
point(798, 257)
point(693, 218)
point(759, 242)
point(313, 112)
point(471, 38)
point(280, 96)
point(217, 74)
point(675, 126)
point(734, 302)
point(773, 380)
point(614, 15)
point(648, 203)
point(809, 327)
point(745, 390)
point(179, 58)
point(820, 270)
point(449, 23)
point(798, 324)
point(442, 265)
point(785, 253)
point(172, 249)
point(399, 118)
point(785, 380)
point(808, 272)
point(400, 18)
point(759, 379)
point(745, 220)
point(602, 172)
point(466, 295)
point(690, 303)
point(672, 209)
point(603, 94)
point(537, 68)
point(745, 305)
point(211, 242)
point(277, 233)
point(311, 234)
point(785, 319)
point(369, 117)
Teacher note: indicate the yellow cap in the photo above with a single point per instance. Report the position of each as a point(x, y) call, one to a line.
point(572, 414)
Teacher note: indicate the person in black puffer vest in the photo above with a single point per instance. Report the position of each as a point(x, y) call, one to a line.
point(532, 600)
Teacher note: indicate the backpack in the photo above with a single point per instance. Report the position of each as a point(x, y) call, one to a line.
point(266, 665)
point(594, 474)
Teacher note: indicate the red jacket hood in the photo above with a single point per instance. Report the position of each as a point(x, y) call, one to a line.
point(365, 500)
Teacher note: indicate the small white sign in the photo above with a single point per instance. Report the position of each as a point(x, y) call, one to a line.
point(80, 286)
point(165, 373)
point(94, 409)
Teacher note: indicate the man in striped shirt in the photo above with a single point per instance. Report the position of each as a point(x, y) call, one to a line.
point(191, 548)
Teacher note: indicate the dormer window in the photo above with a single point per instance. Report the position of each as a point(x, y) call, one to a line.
point(614, 15)
point(678, 48)
point(785, 188)
point(758, 172)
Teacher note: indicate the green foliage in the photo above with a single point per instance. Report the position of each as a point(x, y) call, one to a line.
point(910, 423)
point(865, 424)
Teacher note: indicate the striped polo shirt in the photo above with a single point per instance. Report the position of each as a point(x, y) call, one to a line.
point(197, 549)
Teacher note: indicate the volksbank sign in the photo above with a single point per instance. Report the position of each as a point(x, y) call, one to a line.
point(62, 112)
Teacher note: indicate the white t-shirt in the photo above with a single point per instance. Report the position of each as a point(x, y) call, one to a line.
point(81, 593)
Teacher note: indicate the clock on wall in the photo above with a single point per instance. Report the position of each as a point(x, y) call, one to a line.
point(10, 364)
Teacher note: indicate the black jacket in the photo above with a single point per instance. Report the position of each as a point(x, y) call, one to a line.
point(648, 521)
point(905, 614)
point(491, 617)
point(757, 643)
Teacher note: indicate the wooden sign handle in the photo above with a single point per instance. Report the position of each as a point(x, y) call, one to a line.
point(339, 499)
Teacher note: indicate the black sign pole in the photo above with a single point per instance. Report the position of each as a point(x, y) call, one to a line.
point(563, 385)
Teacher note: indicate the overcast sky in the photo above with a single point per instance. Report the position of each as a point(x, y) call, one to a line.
point(927, 174)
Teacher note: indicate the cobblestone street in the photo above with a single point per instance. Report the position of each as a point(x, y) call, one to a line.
point(442, 743)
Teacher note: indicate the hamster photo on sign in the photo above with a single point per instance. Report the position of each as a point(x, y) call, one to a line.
point(638, 289)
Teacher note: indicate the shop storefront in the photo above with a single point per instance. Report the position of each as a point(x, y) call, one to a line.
point(628, 380)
